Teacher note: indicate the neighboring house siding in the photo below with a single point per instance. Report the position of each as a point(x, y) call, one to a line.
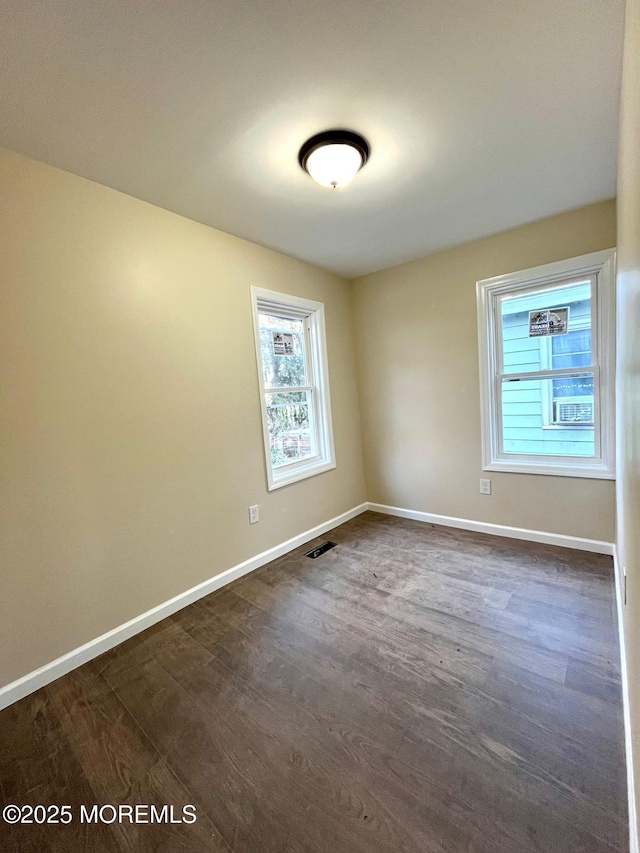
point(523, 407)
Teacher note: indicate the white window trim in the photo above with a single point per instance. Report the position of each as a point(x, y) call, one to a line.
point(313, 314)
point(600, 265)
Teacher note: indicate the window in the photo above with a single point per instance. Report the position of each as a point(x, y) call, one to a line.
point(294, 386)
point(546, 339)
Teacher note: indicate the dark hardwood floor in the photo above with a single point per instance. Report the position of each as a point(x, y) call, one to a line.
point(415, 689)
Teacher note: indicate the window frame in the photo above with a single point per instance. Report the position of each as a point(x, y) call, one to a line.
point(312, 314)
point(600, 268)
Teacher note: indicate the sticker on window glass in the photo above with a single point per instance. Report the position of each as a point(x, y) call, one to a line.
point(554, 321)
point(282, 343)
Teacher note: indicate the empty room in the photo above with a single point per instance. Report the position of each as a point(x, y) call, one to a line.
point(319, 426)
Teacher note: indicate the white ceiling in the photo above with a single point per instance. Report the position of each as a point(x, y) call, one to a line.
point(481, 114)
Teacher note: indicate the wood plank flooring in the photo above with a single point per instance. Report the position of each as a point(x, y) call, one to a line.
point(415, 690)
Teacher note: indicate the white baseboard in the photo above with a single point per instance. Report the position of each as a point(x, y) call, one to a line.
point(594, 545)
point(634, 846)
point(61, 666)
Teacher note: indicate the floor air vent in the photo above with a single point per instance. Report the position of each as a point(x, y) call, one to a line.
point(326, 546)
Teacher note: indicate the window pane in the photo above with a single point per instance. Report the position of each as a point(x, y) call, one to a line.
point(549, 417)
point(573, 386)
point(572, 349)
point(522, 352)
point(282, 350)
point(290, 434)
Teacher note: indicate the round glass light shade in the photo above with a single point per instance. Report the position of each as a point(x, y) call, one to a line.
point(333, 157)
point(334, 164)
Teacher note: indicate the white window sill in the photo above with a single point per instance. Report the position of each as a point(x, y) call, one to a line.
point(595, 471)
point(277, 479)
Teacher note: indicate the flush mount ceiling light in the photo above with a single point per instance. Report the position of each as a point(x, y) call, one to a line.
point(334, 157)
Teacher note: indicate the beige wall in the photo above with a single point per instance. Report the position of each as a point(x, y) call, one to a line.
point(628, 386)
point(131, 442)
point(419, 384)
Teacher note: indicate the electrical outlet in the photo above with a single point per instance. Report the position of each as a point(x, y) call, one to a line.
point(485, 487)
point(254, 514)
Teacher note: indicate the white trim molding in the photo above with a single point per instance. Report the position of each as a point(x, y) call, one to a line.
point(33, 681)
point(619, 573)
point(561, 540)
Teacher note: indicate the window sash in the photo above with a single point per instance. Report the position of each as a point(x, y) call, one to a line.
point(501, 454)
point(306, 329)
point(529, 289)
